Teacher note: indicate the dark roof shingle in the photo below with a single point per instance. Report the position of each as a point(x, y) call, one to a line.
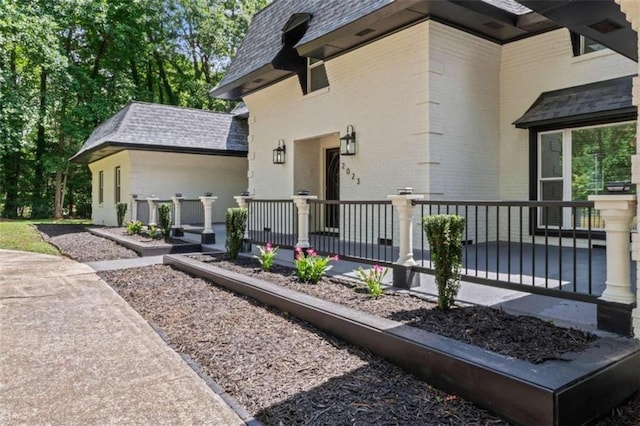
point(600, 99)
point(165, 127)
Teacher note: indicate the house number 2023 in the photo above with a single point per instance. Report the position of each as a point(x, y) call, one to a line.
point(349, 173)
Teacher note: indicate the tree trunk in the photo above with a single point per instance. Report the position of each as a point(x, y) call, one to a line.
point(38, 201)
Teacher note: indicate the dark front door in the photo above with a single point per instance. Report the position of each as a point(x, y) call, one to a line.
point(332, 187)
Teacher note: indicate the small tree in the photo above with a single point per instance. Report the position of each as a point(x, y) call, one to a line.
point(121, 211)
point(164, 216)
point(444, 233)
point(236, 221)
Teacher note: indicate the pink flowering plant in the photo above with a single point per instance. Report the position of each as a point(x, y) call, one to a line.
point(373, 279)
point(266, 256)
point(309, 266)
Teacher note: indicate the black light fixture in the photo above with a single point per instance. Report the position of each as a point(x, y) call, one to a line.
point(348, 142)
point(619, 187)
point(280, 153)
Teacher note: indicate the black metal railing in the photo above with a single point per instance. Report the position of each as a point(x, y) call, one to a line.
point(273, 221)
point(359, 230)
point(544, 247)
point(191, 211)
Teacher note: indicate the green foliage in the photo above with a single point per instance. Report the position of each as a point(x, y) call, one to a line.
point(373, 279)
point(67, 66)
point(236, 222)
point(121, 211)
point(266, 256)
point(444, 233)
point(154, 232)
point(133, 227)
point(164, 215)
point(20, 235)
point(310, 267)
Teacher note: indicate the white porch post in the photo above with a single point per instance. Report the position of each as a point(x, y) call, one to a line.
point(152, 210)
point(177, 225)
point(208, 236)
point(403, 274)
point(617, 212)
point(631, 9)
point(243, 203)
point(404, 205)
point(302, 204)
point(134, 208)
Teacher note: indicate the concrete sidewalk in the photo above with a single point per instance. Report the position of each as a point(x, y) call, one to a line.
point(73, 352)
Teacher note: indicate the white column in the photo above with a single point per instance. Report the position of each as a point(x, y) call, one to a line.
point(617, 212)
point(207, 203)
point(152, 210)
point(134, 208)
point(243, 203)
point(631, 9)
point(404, 205)
point(177, 204)
point(301, 202)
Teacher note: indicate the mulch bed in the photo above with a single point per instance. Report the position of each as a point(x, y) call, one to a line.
point(143, 239)
point(522, 337)
point(74, 241)
point(280, 368)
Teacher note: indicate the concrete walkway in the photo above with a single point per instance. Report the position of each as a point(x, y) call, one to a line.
point(73, 352)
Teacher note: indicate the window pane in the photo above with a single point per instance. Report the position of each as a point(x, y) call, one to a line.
point(551, 155)
point(551, 191)
point(601, 155)
point(318, 78)
point(591, 46)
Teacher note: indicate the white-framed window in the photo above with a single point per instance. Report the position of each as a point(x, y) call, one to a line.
point(589, 46)
point(117, 194)
point(316, 75)
point(101, 187)
point(574, 163)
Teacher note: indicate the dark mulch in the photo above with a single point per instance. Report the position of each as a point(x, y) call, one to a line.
point(280, 368)
point(526, 338)
point(142, 238)
point(74, 241)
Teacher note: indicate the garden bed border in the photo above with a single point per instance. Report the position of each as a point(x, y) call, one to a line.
point(145, 250)
point(555, 392)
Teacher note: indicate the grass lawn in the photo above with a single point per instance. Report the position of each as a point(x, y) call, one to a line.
point(20, 235)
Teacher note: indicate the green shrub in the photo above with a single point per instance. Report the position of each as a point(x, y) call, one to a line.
point(134, 228)
point(121, 210)
point(236, 221)
point(444, 233)
point(164, 216)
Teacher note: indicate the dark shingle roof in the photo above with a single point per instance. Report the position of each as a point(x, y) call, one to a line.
point(167, 128)
point(595, 100)
point(254, 64)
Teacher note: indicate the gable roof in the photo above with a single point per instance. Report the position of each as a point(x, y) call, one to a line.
point(610, 98)
point(336, 26)
point(153, 127)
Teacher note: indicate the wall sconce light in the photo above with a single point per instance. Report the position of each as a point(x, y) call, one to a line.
point(280, 153)
point(348, 142)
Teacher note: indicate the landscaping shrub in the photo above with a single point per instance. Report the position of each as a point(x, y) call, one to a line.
point(164, 216)
point(134, 227)
point(309, 266)
point(266, 256)
point(236, 221)
point(373, 279)
point(444, 233)
point(121, 210)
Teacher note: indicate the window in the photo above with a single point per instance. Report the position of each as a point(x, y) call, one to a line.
point(316, 75)
point(578, 162)
point(117, 184)
point(583, 45)
point(101, 187)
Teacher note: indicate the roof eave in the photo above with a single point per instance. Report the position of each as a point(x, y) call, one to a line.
point(101, 151)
